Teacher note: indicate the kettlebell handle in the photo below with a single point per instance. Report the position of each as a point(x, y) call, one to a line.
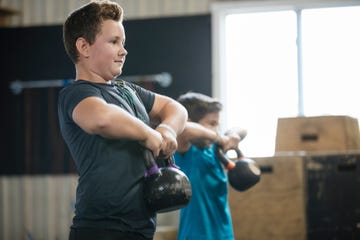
point(150, 164)
point(170, 162)
point(228, 163)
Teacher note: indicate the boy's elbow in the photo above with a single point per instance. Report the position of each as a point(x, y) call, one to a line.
point(184, 112)
point(184, 115)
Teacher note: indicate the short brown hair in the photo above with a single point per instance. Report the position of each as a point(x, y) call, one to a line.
point(86, 22)
point(198, 105)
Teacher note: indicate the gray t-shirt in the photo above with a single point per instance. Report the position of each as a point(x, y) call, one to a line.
point(110, 187)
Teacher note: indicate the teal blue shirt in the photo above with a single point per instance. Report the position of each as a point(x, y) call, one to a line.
point(207, 216)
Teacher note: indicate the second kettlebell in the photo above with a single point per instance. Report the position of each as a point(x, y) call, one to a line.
point(243, 173)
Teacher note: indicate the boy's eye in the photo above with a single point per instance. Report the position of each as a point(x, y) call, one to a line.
point(213, 124)
point(117, 41)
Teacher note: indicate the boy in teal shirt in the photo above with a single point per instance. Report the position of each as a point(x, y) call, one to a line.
point(207, 216)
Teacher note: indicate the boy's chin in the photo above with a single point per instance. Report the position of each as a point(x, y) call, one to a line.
point(118, 74)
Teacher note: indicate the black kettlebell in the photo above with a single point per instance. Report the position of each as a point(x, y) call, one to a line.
point(243, 173)
point(166, 188)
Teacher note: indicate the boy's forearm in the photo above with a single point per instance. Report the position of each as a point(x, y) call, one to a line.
point(123, 125)
point(195, 131)
point(174, 116)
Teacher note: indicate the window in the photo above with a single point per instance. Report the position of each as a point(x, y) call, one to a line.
point(331, 61)
point(284, 61)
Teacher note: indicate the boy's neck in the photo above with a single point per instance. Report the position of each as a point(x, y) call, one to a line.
point(87, 76)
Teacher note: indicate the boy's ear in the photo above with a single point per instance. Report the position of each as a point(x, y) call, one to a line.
point(83, 47)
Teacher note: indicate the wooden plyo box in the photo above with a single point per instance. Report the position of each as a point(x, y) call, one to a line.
point(301, 197)
point(333, 196)
point(275, 208)
point(312, 134)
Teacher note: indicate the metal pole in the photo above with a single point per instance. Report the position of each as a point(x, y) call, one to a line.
point(163, 79)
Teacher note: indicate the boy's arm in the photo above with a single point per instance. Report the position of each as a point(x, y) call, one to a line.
point(195, 132)
point(172, 117)
point(95, 116)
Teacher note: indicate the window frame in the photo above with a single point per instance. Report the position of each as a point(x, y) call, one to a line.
point(219, 11)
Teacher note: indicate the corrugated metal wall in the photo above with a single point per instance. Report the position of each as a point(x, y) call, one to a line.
point(42, 207)
point(36, 207)
point(48, 12)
